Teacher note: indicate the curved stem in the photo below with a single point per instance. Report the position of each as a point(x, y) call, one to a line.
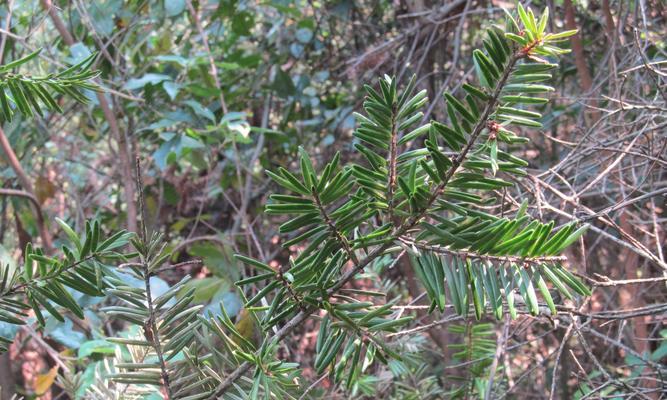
point(27, 186)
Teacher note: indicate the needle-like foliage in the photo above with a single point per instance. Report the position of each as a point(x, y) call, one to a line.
point(421, 188)
point(42, 284)
point(30, 94)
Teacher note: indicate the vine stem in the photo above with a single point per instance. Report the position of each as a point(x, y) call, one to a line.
point(398, 232)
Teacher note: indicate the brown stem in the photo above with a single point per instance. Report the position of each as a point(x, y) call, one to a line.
point(456, 163)
point(21, 286)
point(407, 225)
point(7, 380)
point(334, 230)
point(630, 295)
point(151, 331)
point(609, 25)
point(393, 150)
point(211, 60)
point(28, 188)
point(579, 57)
point(486, 257)
point(127, 182)
point(57, 22)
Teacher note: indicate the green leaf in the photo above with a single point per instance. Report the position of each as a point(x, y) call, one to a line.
point(492, 290)
point(282, 84)
point(451, 136)
point(516, 38)
point(558, 247)
point(95, 347)
point(307, 170)
point(477, 288)
point(514, 119)
point(527, 19)
point(118, 239)
point(506, 277)
point(262, 293)
point(460, 108)
point(329, 352)
point(542, 25)
point(476, 92)
point(511, 19)
point(534, 68)
point(73, 237)
point(571, 280)
point(561, 35)
point(388, 326)
point(493, 156)
point(11, 65)
point(525, 88)
point(254, 263)
point(288, 183)
point(530, 78)
point(542, 285)
point(414, 134)
point(36, 293)
point(488, 69)
point(523, 99)
point(458, 286)
point(556, 281)
point(527, 291)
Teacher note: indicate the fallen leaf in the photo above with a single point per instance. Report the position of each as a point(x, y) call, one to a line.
point(44, 381)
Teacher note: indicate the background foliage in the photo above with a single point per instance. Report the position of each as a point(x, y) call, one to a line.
point(211, 94)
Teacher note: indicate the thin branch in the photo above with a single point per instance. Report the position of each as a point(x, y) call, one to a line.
point(304, 395)
point(587, 349)
point(110, 116)
point(501, 342)
point(211, 60)
point(334, 230)
point(27, 186)
point(22, 193)
point(471, 254)
point(407, 225)
point(18, 288)
point(606, 281)
point(426, 327)
point(57, 22)
point(456, 163)
point(393, 150)
point(150, 328)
